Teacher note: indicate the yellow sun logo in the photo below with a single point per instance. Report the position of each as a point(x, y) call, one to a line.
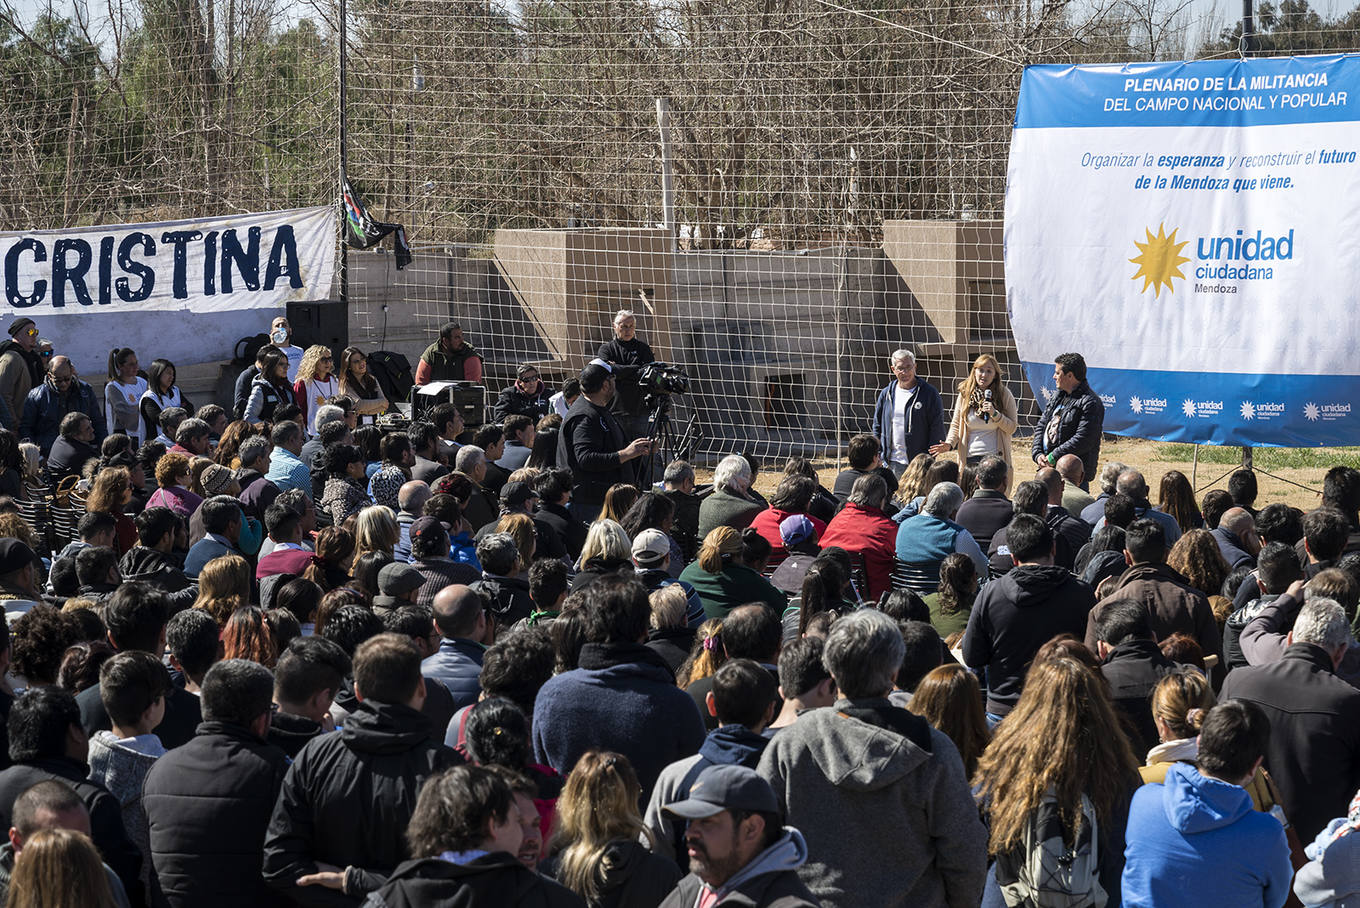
point(1160, 260)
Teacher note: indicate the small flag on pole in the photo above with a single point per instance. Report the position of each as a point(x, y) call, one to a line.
point(363, 232)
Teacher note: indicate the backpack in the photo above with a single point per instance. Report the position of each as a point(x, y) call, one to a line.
point(1044, 872)
point(392, 371)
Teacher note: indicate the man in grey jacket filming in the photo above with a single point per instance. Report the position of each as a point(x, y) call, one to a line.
point(740, 851)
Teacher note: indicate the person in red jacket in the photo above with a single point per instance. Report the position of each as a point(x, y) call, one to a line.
point(862, 529)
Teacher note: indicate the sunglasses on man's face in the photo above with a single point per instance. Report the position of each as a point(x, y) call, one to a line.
point(31, 332)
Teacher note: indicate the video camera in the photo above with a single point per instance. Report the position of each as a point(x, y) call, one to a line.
point(662, 378)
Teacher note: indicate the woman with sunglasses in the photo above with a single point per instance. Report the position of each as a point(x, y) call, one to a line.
point(316, 383)
point(357, 383)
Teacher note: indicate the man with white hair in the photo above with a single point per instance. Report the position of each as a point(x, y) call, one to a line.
point(627, 353)
point(1094, 512)
point(730, 504)
point(866, 773)
point(908, 415)
point(1314, 749)
point(932, 535)
point(482, 506)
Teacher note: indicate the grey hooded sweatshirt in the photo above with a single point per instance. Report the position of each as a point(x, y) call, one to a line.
point(882, 799)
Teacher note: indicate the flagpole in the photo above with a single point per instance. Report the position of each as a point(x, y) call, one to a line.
point(344, 155)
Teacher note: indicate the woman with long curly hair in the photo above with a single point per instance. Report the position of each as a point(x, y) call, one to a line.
point(912, 483)
point(596, 851)
point(315, 384)
point(375, 530)
point(230, 443)
point(1176, 497)
point(223, 587)
point(247, 636)
point(1197, 557)
point(1062, 745)
point(950, 699)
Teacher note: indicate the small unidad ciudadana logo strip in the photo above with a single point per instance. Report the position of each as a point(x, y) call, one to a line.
point(1260, 410)
point(1325, 412)
point(1201, 409)
point(1149, 406)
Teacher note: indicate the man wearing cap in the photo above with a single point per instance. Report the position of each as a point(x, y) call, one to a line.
point(528, 396)
point(866, 775)
point(21, 367)
point(18, 590)
point(740, 853)
point(398, 585)
point(430, 556)
point(61, 392)
point(652, 555)
point(800, 541)
point(593, 445)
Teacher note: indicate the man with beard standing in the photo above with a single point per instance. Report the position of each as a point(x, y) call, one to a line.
point(740, 852)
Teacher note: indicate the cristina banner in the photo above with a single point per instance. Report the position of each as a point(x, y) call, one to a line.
point(1193, 230)
point(212, 265)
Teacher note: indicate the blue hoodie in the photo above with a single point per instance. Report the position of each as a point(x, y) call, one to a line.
point(1196, 841)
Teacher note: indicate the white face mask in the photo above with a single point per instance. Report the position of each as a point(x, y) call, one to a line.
point(279, 336)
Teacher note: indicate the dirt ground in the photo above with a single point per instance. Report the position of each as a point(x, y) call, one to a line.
point(1284, 483)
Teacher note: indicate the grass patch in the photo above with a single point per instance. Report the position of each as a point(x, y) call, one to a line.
point(1265, 458)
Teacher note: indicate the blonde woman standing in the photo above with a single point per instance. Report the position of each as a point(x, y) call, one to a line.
point(316, 383)
point(984, 417)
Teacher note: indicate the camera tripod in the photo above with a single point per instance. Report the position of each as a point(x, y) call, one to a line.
point(666, 445)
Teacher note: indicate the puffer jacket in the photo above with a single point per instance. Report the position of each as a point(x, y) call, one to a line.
point(208, 803)
point(347, 800)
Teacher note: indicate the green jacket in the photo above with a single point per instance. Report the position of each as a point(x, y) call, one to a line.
point(736, 585)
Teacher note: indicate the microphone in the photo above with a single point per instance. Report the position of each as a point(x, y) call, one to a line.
point(987, 396)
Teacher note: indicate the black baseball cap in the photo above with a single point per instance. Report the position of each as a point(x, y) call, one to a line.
point(725, 787)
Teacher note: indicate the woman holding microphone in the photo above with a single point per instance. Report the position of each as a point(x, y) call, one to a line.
point(984, 417)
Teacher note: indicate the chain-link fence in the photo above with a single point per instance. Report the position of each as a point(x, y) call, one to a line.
point(783, 191)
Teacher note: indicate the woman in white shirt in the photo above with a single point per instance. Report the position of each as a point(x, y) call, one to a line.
point(122, 395)
point(984, 417)
point(316, 383)
point(161, 393)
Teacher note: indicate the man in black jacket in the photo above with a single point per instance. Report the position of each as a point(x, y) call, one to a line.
point(989, 509)
point(472, 813)
point(326, 847)
point(1022, 611)
point(136, 616)
point(553, 488)
point(593, 445)
point(1072, 421)
point(1314, 749)
point(627, 354)
point(528, 396)
point(1132, 664)
point(208, 802)
point(309, 673)
point(47, 742)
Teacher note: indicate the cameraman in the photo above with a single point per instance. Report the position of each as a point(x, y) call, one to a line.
point(627, 353)
point(592, 443)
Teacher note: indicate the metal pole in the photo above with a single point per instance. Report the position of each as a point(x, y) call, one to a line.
point(663, 124)
point(1248, 45)
point(344, 151)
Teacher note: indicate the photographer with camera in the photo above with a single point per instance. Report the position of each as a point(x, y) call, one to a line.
point(593, 445)
point(627, 354)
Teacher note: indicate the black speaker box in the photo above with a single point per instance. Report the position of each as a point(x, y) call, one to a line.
point(320, 322)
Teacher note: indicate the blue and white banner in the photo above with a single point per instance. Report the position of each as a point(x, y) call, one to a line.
point(1193, 230)
point(247, 261)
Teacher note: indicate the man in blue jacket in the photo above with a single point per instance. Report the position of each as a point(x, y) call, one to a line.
point(908, 415)
point(61, 393)
point(1195, 839)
